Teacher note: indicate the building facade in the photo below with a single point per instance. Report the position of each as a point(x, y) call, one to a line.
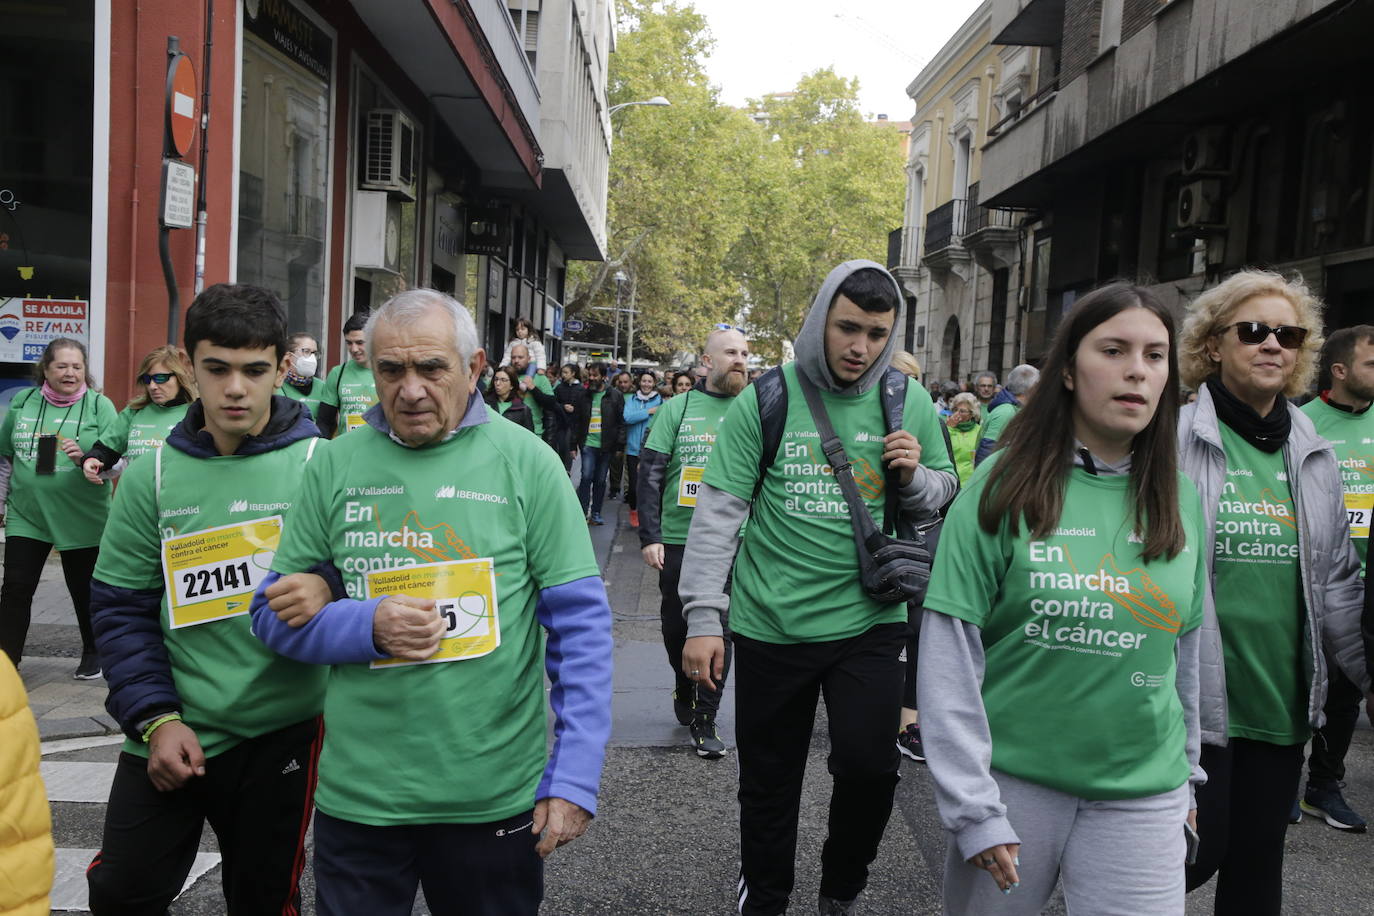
point(352, 149)
point(1178, 140)
point(961, 264)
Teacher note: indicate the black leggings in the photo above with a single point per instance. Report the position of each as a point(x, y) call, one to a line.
point(632, 480)
point(24, 559)
point(1242, 817)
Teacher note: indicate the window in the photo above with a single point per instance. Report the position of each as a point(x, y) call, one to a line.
point(284, 161)
point(524, 15)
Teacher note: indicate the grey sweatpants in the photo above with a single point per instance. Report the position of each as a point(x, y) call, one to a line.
point(1116, 858)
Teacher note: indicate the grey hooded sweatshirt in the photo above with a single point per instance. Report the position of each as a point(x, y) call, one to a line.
point(714, 535)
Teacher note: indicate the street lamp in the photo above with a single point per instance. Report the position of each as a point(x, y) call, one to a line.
point(657, 100)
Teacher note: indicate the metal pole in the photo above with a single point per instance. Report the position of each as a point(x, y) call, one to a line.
point(201, 218)
point(630, 342)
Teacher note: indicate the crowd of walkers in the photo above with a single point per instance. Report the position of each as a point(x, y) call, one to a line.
point(355, 598)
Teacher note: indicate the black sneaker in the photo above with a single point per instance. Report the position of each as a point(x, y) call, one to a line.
point(1330, 805)
point(705, 739)
point(1295, 816)
point(829, 906)
point(683, 710)
point(909, 743)
point(89, 669)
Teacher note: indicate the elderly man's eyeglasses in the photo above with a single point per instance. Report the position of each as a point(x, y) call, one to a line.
point(1290, 337)
point(160, 378)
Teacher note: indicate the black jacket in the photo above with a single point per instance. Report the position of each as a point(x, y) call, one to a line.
point(612, 419)
point(518, 412)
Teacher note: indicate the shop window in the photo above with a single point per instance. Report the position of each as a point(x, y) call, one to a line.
point(45, 170)
point(284, 160)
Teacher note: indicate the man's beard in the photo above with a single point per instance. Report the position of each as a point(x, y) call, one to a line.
point(727, 382)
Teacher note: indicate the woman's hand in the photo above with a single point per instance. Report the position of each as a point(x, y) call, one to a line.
point(92, 468)
point(1000, 861)
point(72, 449)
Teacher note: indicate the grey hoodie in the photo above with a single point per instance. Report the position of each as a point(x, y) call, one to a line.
point(714, 535)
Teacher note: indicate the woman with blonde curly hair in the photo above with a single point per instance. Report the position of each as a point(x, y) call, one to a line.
point(1285, 578)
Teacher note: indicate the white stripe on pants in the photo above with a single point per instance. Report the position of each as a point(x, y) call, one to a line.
point(1115, 858)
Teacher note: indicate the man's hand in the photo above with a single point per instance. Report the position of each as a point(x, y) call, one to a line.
point(901, 453)
point(703, 660)
point(71, 448)
point(92, 468)
point(174, 756)
point(297, 598)
point(653, 555)
point(1000, 862)
point(406, 627)
point(560, 822)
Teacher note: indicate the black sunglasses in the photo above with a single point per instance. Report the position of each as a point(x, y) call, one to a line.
point(160, 378)
point(1290, 337)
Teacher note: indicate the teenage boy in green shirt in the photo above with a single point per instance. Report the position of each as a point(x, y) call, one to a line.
point(349, 389)
point(1343, 415)
point(801, 621)
point(670, 468)
point(217, 726)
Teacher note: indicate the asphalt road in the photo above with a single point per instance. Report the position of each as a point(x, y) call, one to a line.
point(665, 839)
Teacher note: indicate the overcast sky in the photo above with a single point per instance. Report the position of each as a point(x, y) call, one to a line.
point(765, 46)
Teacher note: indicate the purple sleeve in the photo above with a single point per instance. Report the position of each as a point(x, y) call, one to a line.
point(577, 659)
point(340, 634)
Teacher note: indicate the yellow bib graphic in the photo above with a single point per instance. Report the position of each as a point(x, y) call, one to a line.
point(212, 574)
point(464, 594)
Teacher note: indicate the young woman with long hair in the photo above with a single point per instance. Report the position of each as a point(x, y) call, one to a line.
point(1058, 653)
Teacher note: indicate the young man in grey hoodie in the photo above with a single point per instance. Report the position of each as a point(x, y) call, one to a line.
point(802, 624)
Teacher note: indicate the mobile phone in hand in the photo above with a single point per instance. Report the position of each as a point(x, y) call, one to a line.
point(1190, 835)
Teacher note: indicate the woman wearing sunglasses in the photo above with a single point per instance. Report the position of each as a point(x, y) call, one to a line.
point(1285, 578)
point(163, 389)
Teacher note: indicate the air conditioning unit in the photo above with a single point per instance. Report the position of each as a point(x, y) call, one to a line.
point(1206, 151)
point(376, 231)
point(389, 157)
point(1201, 204)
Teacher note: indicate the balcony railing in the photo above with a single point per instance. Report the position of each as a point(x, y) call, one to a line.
point(945, 225)
point(980, 217)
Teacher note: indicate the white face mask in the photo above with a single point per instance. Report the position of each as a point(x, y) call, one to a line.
point(305, 366)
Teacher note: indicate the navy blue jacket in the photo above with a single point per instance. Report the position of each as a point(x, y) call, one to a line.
point(128, 622)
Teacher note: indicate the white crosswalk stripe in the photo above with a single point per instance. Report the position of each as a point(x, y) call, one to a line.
point(88, 783)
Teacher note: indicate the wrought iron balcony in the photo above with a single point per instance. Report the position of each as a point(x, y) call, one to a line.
point(945, 225)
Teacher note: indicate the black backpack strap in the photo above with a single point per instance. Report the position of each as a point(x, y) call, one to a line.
point(892, 394)
point(771, 390)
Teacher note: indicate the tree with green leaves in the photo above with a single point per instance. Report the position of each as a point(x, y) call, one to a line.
point(713, 214)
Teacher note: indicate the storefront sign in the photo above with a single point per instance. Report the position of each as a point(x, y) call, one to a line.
point(448, 235)
point(488, 231)
point(27, 326)
point(291, 32)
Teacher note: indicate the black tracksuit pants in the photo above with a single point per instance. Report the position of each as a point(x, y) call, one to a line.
point(1326, 763)
point(257, 797)
point(776, 689)
point(703, 700)
point(1242, 817)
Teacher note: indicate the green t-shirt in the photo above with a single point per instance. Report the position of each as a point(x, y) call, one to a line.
point(1352, 435)
point(311, 400)
point(1079, 636)
point(594, 423)
point(232, 687)
point(997, 420)
point(140, 430)
point(963, 438)
point(537, 412)
point(62, 508)
point(686, 436)
point(458, 741)
point(796, 577)
point(1259, 602)
point(352, 389)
